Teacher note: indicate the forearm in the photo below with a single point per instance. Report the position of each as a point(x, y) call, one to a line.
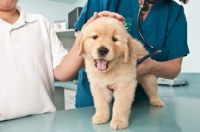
point(69, 66)
point(167, 69)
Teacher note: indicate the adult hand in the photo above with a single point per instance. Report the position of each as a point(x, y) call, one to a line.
point(111, 14)
point(145, 67)
point(102, 14)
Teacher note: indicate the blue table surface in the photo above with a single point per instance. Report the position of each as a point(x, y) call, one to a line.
point(181, 113)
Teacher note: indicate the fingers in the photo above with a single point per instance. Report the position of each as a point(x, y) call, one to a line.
point(111, 14)
point(145, 67)
point(104, 13)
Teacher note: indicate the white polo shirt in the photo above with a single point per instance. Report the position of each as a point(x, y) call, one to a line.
point(29, 51)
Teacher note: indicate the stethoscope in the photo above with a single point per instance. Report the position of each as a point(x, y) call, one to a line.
point(144, 2)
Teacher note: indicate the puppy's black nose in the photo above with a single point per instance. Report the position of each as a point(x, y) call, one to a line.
point(103, 51)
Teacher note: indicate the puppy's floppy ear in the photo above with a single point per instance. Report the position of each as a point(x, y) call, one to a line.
point(127, 48)
point(79, 40)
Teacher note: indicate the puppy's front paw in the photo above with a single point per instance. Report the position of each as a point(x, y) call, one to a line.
point(100, 118)
point(118, 124)
point(157, 102)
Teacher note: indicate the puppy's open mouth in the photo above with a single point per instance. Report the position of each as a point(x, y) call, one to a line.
point(101, 64)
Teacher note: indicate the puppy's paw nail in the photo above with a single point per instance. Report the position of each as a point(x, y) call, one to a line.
point(99, 119)
point(119, 124)
point(157, 103)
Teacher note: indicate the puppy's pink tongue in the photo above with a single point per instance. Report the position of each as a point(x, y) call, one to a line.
point(101, 64)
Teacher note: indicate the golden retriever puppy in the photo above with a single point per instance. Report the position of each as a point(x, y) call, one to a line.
point(110, 59)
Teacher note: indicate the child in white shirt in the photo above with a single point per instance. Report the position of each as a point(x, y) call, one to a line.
point(31, 56)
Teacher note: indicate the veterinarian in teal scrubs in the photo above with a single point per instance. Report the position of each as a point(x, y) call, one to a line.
point(164, 27)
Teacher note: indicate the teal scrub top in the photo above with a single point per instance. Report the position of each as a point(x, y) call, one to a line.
point(165, 28)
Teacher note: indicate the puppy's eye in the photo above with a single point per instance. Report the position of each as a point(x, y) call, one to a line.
point(114, 39)
point(95, 37)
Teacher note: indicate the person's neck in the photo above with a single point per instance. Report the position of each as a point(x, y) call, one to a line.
point(10, 16)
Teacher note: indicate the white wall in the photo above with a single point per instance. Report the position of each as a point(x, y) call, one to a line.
point(59, 11)
point(191, 63)
point(51, 10)
point(80, 3)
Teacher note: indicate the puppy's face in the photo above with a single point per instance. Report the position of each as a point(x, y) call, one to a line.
point(104, 42)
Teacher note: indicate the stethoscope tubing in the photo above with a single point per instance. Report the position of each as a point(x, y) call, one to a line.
point(138, 27)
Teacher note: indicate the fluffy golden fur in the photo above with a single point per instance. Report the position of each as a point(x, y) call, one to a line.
point(110, 59)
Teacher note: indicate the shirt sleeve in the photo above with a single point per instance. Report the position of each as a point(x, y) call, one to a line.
point(57, 50)
point(176, 40)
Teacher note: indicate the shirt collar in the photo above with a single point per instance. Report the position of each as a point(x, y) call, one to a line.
point(24, 16)
point(22, 20)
